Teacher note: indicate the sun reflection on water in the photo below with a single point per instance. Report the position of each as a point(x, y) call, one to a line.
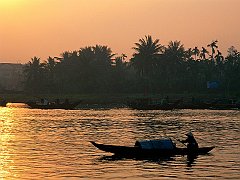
point(7, 137)
point(54, 144)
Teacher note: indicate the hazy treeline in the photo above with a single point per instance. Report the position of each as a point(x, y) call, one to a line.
point(153, 68)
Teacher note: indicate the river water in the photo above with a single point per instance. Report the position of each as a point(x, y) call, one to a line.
point(54, 144)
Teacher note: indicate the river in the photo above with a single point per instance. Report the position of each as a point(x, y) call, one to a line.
point(54, 144)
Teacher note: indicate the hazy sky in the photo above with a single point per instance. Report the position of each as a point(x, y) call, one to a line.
point(45, 28)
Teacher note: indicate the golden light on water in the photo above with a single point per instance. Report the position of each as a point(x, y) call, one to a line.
point(6, 137)
point(54, 144)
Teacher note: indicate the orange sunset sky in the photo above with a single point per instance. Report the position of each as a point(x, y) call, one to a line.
point(45, 28)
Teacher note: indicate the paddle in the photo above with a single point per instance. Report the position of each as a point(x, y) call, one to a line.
point(181, 142)
point(176, 139)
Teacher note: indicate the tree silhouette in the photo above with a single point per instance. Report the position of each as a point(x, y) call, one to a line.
point(50, 64)
point(232, 70)
point(219, 58)
point(65, 56)
point(232, 52)
point(50, 73)
point(86, 55)
point(153, 68)
point(203, 53)
point(147, 51)
point(196, 52)
point(213, 46)
point(174, 59)
point(33, 71)
point(120, 60)
point(175, 50)
point(103, 55)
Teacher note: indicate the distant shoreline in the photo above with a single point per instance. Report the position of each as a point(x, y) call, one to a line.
point(107, 100)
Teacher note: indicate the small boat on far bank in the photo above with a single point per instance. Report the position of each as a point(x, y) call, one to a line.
point(44, 104)
point(152, 104)
point(3, 103)
point(164, 104)
point(225, 104)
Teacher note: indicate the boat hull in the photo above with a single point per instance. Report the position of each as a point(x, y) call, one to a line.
point(153, 107)
point(66, 106)
point(133, 151)
point(146, 104)
point(3, 104)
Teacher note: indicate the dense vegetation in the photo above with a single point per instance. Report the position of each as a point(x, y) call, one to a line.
point(153, 68)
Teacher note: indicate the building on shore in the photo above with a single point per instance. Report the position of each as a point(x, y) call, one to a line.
point(11, 77)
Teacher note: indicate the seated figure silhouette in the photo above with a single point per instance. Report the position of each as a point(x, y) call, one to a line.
point(192, 144)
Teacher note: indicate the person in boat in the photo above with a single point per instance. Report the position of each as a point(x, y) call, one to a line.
point(66, 101)
point(44, 102)
point(191, 141)
point(57, 101)
point(3, 102)
point(165, 100)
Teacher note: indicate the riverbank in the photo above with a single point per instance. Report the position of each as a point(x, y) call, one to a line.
point(108, 100)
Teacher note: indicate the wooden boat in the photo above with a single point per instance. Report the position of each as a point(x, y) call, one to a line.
point(195, 105)
point(53, 105)
point(152, 104)
point(219, 106)
point(3, 103)
point(138, 152)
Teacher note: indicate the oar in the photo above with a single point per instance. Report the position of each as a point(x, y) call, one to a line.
point(180, 141)
point(175, 139)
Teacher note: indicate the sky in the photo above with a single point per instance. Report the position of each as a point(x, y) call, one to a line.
point(45, 28)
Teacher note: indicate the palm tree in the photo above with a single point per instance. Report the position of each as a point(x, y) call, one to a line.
point(50, 70)
point(175, 50)
point(232, 69)
point(120, 60)
point(203, 53)
point(101, 67)
point(232, 52)
point(147, 51)
point(86, 54)
point(33, 68)
point(188, 54)
point(213, 45)
point(219, 57)
point(65, 55)
point(103, 55)
point(196, 52)
point(175, 58)
point(34, 74)
point(50, 64)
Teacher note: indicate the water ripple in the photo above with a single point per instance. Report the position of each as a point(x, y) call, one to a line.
point(54, 144)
